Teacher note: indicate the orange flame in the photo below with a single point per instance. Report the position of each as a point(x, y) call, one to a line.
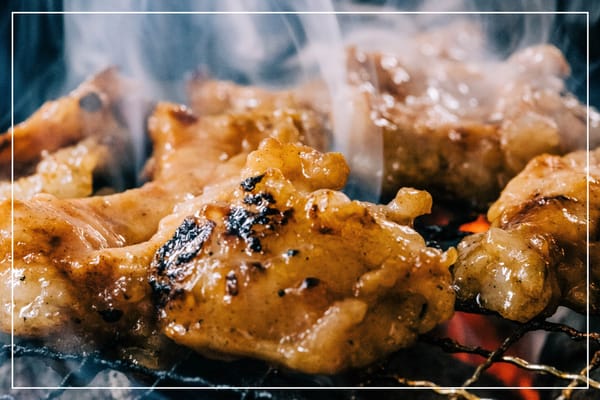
point(478, 330)
point(480, 225)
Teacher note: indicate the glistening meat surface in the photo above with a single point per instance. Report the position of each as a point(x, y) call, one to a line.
point(62, 283)
point(92, 110)
point(267, 260)
point(534, 256)
point(452, 120)
point(283, 267)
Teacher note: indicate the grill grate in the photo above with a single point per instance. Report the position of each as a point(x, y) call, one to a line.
point(229, 377)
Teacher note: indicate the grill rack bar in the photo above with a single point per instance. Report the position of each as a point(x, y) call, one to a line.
point(95, 363)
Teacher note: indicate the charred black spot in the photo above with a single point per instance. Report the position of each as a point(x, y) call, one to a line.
point(325, 230)
point(259, 199)
point(254, 244)
point(22, 278)
point(270, 211)
point(231, 284)
point(281, 293)
point(170, 260)
point(310, 282)
point(292, 252)
point(111, 315)
point(160, 291)
point(91, 102)
point(184, 245)
point(183, 115)
point(55, 241)
point(249, 184)
point(239, 222)
point(287, 214)
point(250, 223)
point(258, 266)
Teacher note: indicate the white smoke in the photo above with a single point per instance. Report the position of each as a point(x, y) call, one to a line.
point(267, 43)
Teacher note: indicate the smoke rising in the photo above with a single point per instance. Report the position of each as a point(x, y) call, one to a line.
point(161, 51)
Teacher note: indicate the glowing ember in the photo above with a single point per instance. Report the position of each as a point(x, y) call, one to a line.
point(481, 224)
point(482, 331)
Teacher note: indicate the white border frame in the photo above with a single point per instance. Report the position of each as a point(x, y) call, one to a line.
point(391, 388)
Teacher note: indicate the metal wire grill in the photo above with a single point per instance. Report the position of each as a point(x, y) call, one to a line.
point(498, 355)
point(193, 371)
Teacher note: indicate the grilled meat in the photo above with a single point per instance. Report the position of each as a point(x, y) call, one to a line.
point(72, 263)
point(94, 109)
point(459, 129)
point(463, 129)
point(210, 97)
point(283, 267)
point(69, 172)
point(240, 243)
point(262, 263)
point(534, 256)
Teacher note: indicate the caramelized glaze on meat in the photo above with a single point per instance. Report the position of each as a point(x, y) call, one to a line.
point(453, 122)
point(271, 262)
point(74, 265)
point(280, 266)
point(461, 129)
point(67, 173)
point(94, 109)
point(534, 255)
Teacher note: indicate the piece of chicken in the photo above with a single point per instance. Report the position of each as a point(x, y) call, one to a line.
point(278, 265)
point(210, 97)
point(74, 271)
point(68, 116)
point(94, 109)
point(448, 120)
point(284, 268)
point(463, 129)
point(534, 256)
point(67, 173)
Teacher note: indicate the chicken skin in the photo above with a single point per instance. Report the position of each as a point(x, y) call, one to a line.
point(93, 110)
point(72, 261)
point(446, 121)
point(229, 251)
point(280, 266)
point(67, 173)
point(534, 256)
